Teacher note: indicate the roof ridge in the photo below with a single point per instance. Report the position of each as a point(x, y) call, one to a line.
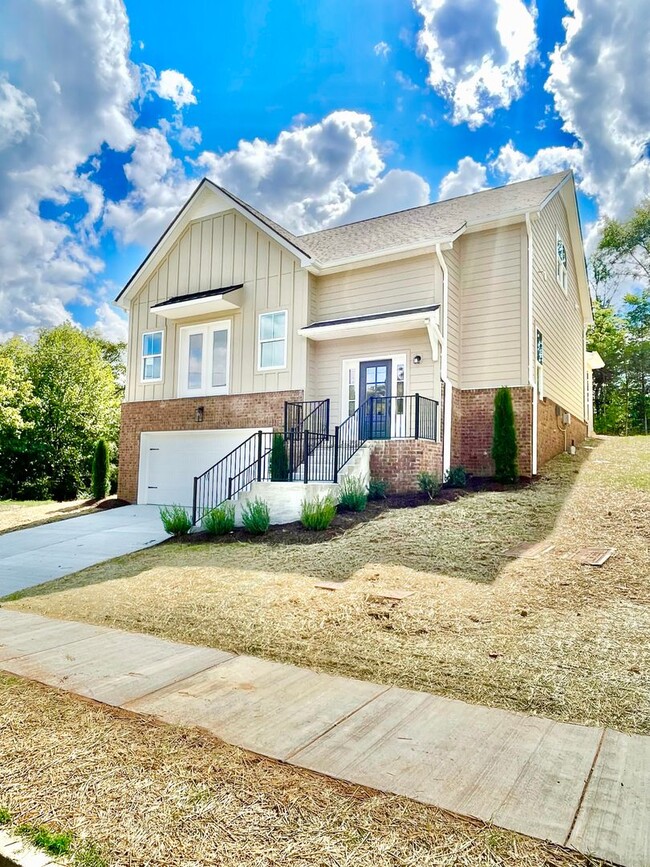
point(433, 204)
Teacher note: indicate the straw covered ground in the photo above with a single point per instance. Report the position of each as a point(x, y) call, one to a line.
point(136, 793)
point(545, 636)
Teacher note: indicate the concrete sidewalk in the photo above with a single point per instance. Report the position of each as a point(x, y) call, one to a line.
point(578, 786)
point(34, 555)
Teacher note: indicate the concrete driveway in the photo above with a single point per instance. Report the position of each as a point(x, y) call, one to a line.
point(38, 554)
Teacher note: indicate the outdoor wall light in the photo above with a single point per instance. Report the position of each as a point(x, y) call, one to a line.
point(417, 359)
point(199, 413)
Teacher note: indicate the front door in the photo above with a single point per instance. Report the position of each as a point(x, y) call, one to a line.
point(375, 379)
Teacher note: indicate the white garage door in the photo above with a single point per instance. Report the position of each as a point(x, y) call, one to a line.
point(169, 461)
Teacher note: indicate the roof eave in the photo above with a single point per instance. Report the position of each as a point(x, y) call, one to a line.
point(363, 260)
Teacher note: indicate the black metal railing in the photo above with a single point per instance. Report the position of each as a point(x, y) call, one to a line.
point(311, 415)
point(235, 472)
point(311, 457)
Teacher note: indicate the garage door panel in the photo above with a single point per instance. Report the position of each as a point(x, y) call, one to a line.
point(170, 460)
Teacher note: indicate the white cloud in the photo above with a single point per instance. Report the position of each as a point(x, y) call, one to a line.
point(382, 49)
point(314, 176)
point(111, 324)
point(18, 114)
point(478, 52)
point(176, 87)
point(469, 177)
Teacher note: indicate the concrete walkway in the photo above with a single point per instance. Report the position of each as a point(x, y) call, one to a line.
point(37, 554)
point(578, 786)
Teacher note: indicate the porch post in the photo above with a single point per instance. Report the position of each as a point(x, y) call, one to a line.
point(417, 416)
point(259, 456)
point(336, 455)
point(194, 504)
point(305, 456)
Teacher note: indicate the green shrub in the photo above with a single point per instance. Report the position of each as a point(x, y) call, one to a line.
point(101, 470)
point(377, 489)
point(504, 438)
point(456, 477)
point(429, 484)
point(5, 816)
point(219, 521)
point(318, 514)
point(255, 517)
point(48, 841)
point(175, 520)
point(353, 495)
point(279, 459)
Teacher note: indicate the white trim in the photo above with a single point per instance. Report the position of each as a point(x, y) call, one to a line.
point(207, 329)
point(371, 325)
point(561, 269)
point(199, 306)
point(449, 389)
point(385, 254)
point(285, 339)
point(532, 378)
point(144, 334)
point(354, 364)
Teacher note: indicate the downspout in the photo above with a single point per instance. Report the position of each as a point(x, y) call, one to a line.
point(446, 434)
point(532, 379)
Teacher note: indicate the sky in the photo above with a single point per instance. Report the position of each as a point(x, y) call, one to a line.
point(318, 113)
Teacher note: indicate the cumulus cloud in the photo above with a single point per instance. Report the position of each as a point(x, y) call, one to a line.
point(319, 175)
point(469, 177)
point(111, 324)
point(18, 114)
point(176, 87)
point(478, 52)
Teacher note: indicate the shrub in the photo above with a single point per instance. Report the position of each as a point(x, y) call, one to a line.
point(456, 477)
point(101, 470)
point(504, 438)
point(377, 489)
point(318, 514)
point(219, 521)
point(279, 459)
point(5, 816)
point(429, 484)
point(49, 841)
point(255, 517)
point(354, 494)
point(175, 520)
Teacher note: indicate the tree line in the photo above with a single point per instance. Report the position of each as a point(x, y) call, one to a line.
point(621, 332)
point(58, 396)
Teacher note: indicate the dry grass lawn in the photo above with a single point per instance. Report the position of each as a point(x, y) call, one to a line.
point(545, 636)
point(16, 514)
point(161, 796)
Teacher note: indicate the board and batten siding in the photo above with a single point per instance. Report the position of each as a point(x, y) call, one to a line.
point(218, 251)
point(493, 274)
point(328, 357)
point(558, 316)
point(409, 282)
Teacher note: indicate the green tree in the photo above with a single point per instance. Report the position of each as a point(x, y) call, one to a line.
point(625, 246)
point(17, 407)
point(637, 320)
point(279, 459)
point(504, 438)
point(101, 470)
point(607, 337)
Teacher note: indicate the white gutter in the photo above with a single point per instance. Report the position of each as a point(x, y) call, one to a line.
point(446, 433)
point(532, 379)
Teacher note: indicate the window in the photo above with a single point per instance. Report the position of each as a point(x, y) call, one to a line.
point(273, 340)
point(352, 390)
point(561, 263)
point(204, 359)
point(539, 365)
point(152, 356)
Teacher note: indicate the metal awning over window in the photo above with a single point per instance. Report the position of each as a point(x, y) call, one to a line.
point(200, 303)
point(372, 323)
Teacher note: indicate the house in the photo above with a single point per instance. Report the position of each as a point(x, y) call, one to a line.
point(385, 338)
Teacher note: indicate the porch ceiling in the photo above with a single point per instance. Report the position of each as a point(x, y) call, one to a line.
point(374, 323)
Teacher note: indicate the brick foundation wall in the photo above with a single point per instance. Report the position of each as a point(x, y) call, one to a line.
point(399, 462)
point(473, 413)
point(263, 409)
point(550, 434)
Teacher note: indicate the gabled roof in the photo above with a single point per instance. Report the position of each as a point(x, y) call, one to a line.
point(439, 221)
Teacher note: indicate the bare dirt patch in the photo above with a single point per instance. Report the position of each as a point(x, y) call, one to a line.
point(547, 636)
point(157, 795)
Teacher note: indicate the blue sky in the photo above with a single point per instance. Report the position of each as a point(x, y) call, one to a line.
point(317, 113)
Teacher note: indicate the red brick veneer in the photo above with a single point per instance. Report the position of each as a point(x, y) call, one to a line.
point(399, 462)
point(262, 409)
point(550, 433)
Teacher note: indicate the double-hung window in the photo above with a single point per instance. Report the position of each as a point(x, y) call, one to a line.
point(152, 349)
point(272, 349)
point(539, 365)
point(204, 359)
point(561, 263)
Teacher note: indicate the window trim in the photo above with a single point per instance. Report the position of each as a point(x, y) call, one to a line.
point(539, 365)
point(144, 334)
point(206, 329)
point(560, 267)
point(282, 366)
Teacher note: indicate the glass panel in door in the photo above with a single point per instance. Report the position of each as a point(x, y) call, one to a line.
point(195, 361)
point(374, 389)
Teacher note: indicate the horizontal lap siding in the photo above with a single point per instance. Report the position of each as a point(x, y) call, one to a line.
point(213, 252)
point(328, 357)
point(492, 277)
point(557, 315)
point(452, 258)
point(412, 282)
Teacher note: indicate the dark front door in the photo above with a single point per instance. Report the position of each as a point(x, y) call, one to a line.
point(374, 387)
